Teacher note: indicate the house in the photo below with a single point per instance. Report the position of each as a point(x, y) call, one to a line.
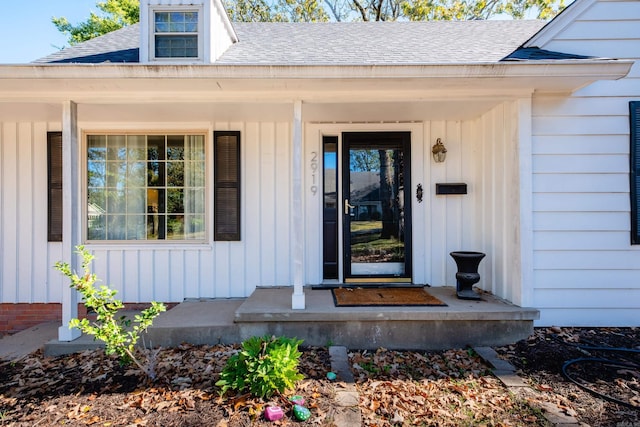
point(199, 158)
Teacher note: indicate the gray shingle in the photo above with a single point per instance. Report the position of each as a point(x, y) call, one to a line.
point(368, 43)
point(337, 43)
point(118, 46)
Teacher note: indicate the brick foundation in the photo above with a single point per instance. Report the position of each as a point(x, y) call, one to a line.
point(17, 317)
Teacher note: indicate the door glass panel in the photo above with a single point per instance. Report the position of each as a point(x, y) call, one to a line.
point(375, 209)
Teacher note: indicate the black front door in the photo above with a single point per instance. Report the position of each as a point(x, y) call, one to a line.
point(376, 208)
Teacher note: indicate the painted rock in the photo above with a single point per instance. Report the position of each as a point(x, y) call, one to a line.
point(331, 376)
point(297, 399)
point(301, 413)
point(273, 413)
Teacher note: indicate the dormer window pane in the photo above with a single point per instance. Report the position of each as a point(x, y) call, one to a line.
point(176, 34)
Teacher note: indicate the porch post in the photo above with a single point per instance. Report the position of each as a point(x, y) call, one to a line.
point(525, 151)
point(71, 221)
point(297, 235)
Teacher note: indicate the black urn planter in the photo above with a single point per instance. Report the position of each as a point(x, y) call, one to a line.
point(467, 274)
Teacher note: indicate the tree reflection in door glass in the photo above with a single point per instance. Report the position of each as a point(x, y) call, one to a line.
point(376, 218)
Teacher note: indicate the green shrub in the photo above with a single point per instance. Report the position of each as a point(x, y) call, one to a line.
point(263, 366)
point(118, 334)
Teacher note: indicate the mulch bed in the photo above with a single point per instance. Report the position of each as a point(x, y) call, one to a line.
point(448, 388)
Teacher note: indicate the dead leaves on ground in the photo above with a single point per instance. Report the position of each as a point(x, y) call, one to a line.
point(448, 388)
point(91, 388)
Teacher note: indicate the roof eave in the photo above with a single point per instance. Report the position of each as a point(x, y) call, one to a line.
point(557, 76)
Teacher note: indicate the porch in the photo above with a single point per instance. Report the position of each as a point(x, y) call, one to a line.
point(461, 323)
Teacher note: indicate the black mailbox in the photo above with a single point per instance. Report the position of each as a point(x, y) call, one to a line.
point(451, 188)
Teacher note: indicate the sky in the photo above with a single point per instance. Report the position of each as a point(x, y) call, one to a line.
point(26, 31)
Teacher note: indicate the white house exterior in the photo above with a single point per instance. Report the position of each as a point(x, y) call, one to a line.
point(543, 146)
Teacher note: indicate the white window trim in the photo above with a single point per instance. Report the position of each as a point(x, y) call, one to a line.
point(152, 33)
point(146, 244)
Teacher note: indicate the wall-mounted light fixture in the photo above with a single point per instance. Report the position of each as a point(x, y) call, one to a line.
point(419, 193)
point(439, 151)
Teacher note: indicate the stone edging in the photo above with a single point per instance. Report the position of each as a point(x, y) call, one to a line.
point(506, 373)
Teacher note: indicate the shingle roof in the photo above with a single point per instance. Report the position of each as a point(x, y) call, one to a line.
point(118, 46)
point(337, 43)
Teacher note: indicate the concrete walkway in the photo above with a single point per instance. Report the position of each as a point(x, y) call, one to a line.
point(16, 346)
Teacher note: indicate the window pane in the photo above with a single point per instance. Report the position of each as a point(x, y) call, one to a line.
point(155, 174)
point(116, 147)
point(162, 16)
point(195, 147)
point(176, 17)
point(97, 201)
point(194, 200)
point(194, 174)
point(191, 17)
point(155, 227)
point(116, 174)
point(97, 147)
point(136, 201)
point(137, 174)
point(175, 201)
point(155, 147)
point(194, 227)
point(97, 227)
point(175, 174)
point(116, 201)
point(116, 227)
point(175, 227)
point(136, 145)
point(136, 227)
point(97, 174)
point(175, 147)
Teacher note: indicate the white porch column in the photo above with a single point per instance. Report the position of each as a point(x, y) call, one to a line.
point(70, 208)
point(524, 297)
point(297, 235)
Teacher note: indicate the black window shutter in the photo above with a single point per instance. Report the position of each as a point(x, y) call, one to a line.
point(54, 185)
point(226, 186)
point(634, 115)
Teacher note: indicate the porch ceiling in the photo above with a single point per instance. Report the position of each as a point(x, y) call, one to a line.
point(205, 112)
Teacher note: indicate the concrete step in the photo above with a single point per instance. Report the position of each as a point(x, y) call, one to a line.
point(488, 322)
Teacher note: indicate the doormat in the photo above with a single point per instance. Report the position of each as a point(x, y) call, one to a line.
point(379, 297)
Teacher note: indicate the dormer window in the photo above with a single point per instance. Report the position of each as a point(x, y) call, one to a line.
point(176, 34)
point(184, 31)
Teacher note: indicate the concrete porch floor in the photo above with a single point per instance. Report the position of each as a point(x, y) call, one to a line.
point(489, 322)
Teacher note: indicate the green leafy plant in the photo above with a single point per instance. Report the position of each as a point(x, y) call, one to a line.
point(119, 335)
point(263, 366)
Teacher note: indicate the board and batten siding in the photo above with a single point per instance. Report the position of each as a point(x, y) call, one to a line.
point(586, 272)
point(139, 271)
point(481, 153)
point(26, 258)
point(220, 269)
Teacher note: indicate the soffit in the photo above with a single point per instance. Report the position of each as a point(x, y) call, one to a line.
point(231, 83)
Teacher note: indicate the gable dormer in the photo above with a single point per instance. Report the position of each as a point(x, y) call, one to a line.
point(184, 31)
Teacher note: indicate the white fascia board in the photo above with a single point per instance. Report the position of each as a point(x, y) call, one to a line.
point(559, 23)
point(598, 69)
point(188, 82)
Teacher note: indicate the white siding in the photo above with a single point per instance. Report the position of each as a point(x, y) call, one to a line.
point(481, 153)
point(220, 269)
point(140, 273)
point(25, 256)
point(585, 270)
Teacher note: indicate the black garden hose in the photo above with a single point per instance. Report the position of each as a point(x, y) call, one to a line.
point(604, 361)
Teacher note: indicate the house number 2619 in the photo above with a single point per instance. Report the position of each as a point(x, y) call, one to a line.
point(313, 164)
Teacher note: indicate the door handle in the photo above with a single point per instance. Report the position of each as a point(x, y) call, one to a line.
point(347, 206)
